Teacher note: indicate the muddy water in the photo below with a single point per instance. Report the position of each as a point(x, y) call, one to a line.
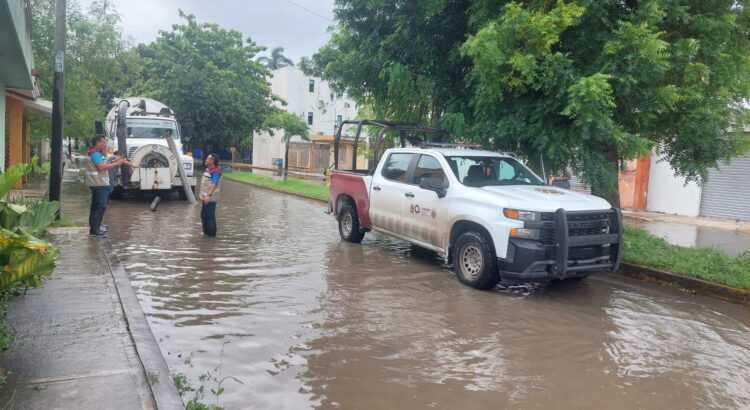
point(305, 320)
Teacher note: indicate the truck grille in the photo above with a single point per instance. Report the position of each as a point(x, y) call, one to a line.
point(595, 223)
point(131, 151)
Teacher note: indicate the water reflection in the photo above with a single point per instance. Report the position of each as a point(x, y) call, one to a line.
point(306, 320)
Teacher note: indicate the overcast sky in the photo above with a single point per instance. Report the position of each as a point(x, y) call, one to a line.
point(269, 23)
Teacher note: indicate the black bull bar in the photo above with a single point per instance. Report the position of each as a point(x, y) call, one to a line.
point(563, 243)
point(586, 232)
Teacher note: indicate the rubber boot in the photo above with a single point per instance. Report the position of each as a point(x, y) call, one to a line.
point(92, 223)
point(97, 223)
point(211, 230)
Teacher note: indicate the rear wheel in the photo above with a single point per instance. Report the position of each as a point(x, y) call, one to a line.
point(474, 261)
point(349, 224)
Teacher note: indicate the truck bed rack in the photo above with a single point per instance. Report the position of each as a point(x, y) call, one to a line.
point(407, 132)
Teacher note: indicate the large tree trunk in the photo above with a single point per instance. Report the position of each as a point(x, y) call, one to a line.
point(610, 193)
point(286, 159)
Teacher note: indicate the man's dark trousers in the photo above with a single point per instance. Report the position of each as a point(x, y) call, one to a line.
point(99, 196)
point(208, 218)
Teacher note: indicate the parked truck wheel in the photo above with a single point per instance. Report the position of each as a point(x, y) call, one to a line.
point(474, 261)
point(349, 224)
point(181, 194)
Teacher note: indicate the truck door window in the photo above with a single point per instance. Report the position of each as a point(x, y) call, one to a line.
point(506, 171)
point(396, 167)
point(485, 171)
point(428, 167)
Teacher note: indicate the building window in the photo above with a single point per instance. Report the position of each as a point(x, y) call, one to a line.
point(312, 86)
point(309, 118)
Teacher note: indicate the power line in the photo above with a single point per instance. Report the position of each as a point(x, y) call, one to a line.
point(308, 10)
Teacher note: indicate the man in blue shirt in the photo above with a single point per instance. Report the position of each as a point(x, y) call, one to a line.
point(209, 194)
point(97, 179)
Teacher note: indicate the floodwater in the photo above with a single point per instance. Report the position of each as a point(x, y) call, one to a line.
point(733, 243)
point(305, 320)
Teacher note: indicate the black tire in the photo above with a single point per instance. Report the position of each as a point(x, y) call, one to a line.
point(181, 194)
point(474, 261)
point(116, 193)
point(349, 224)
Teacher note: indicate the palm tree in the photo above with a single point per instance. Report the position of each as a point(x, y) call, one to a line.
point(292, 125)
point(277, 59)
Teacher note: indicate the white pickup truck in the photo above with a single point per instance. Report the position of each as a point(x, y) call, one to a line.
point(485, 212)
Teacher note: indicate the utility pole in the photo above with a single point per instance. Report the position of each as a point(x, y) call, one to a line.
point(58, 111)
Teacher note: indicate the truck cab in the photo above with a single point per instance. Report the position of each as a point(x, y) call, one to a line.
point(149, 124)
point(485, 212)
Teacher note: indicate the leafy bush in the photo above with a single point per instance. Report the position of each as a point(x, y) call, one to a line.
point(24, 257)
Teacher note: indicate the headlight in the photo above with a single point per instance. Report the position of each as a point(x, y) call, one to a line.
point(516, 214)
point(525, 233)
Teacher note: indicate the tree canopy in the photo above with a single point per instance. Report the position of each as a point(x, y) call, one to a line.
point(291, 125)
point(587, 83)
point(99, 64)
point(205, 73)
point(209, 77)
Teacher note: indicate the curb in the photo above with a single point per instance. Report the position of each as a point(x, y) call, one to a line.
point(157, 372)
point(692, 285)
point(664, 278)
point(280, 191)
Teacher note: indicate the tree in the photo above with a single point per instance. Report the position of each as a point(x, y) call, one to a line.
point(291, 125)
point(588, 83)
point(277, 59)
point(207, 75)
point(400, 60)
point(98, 64)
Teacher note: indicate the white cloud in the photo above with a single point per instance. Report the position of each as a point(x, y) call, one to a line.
point(269, 23)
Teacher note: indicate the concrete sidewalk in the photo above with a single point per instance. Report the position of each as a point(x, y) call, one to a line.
point(732, 237)
point(74, 346)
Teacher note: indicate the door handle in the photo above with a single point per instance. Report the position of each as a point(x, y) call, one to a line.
point(376, 188)
point(409, 195)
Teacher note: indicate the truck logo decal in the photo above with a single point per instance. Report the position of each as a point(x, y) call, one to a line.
point(419, 210)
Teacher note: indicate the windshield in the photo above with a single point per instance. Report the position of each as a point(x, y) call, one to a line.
point(486, 171)
point(151, 129)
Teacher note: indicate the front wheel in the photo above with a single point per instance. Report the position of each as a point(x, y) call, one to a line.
point(349, 224)
point(474, 261)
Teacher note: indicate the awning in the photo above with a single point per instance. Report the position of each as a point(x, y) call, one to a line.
point(30, 100)
point(40, 106)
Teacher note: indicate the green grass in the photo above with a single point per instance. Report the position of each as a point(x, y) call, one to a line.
point(641, 247)
point(708, 264)
point(291, 185)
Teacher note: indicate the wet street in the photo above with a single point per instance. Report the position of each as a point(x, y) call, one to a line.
point(304, 320)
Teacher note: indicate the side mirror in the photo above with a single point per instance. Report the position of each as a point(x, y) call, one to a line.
point(98, 128)
point(435, 185)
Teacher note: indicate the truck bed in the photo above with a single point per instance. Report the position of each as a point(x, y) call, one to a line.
point(356, 185)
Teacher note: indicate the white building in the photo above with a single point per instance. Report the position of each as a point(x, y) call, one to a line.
point(726, 193)
point(312, 99)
